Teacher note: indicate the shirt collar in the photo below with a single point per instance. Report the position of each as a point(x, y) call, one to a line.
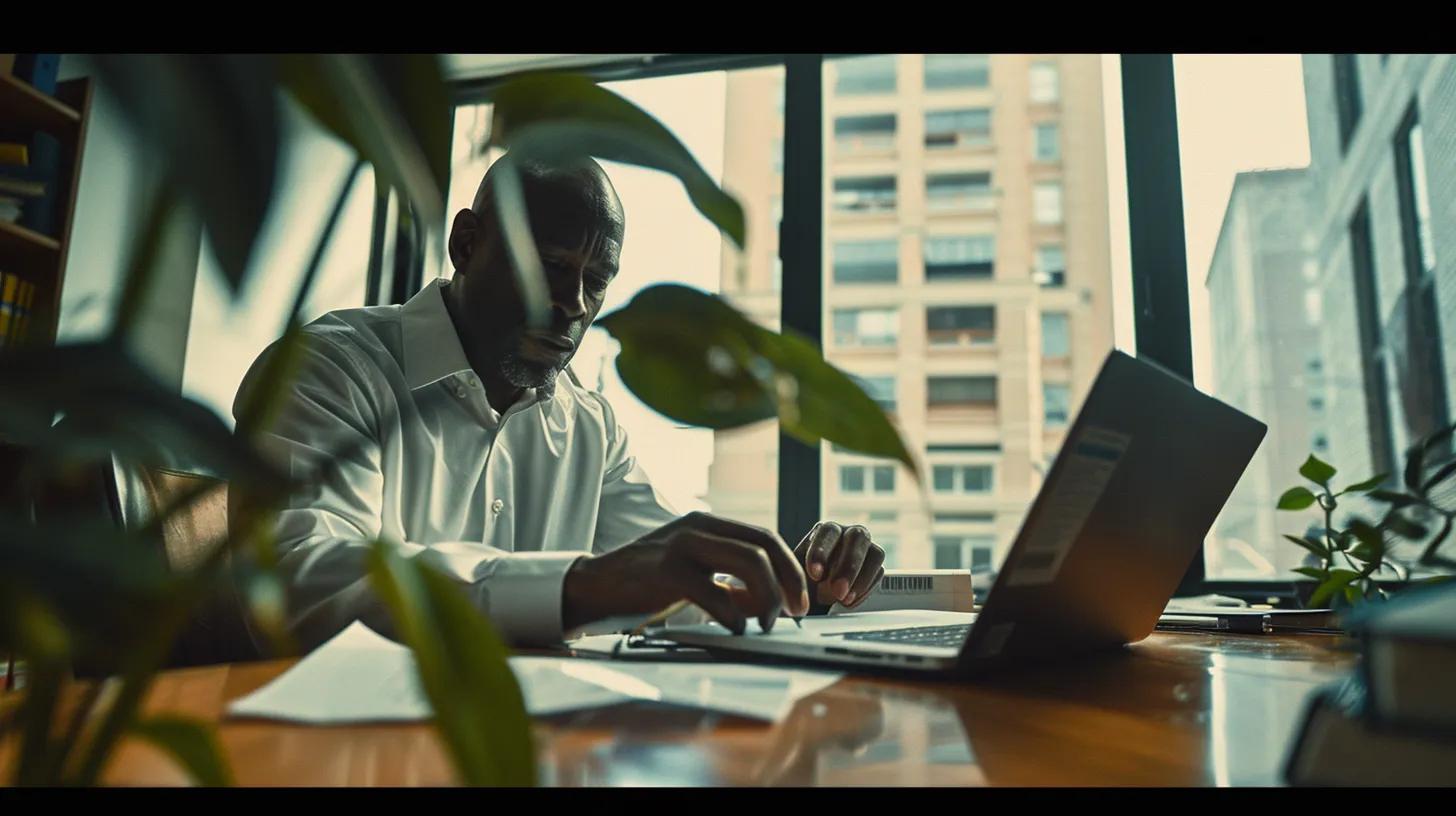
point(432, 349)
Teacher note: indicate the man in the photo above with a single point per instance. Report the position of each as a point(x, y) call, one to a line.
point(468, 442)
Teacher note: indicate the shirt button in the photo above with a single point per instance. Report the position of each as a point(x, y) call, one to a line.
point(497, 505)
point(460, 392)
point(474, 383)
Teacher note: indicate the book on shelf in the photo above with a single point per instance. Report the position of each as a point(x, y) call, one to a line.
point(1339, 744)
point(40, 71)
point(1409, 645)
point(9, 284)
point(19, 187)
point(16, 298)
point(16, 154)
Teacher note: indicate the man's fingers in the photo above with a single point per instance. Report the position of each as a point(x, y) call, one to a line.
point(748, 563)
point(715, 599)
point(868, 577)
point(818, 544)
point(845, 562)
point(789, 575)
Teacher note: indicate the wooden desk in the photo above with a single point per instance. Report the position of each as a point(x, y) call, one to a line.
point(1176, 709)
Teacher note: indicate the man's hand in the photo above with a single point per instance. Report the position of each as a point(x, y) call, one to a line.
point(678, 561)
point(842, 562)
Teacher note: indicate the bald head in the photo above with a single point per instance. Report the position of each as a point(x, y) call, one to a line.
point(579, 181)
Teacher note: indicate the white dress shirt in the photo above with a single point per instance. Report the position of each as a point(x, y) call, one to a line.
point(505, 503)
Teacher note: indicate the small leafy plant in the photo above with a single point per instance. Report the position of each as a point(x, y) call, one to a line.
point(1354, 559)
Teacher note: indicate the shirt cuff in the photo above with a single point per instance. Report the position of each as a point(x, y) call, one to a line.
point(522, 596)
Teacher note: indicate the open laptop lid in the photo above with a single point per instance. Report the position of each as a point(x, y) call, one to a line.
point(1143, 472)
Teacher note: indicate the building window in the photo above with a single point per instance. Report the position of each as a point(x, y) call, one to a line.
point(866, 327)
point(866, 261)
point(1056, 401)
point(957, 71)
point(961, 392)
point(867, 194)
point(955, 552)
point(881, 389)
point(958, 128)
point(957, 191)
point(1419, 195)
point(1051, 265)
point(1055, 339)
point(959, 257)
point(865, 75)
point(854, 478)
point(960, 325)
point(865, 132)
point(1044, 82)
point(1046, 143)
point(1413, 336)
point(1347, 96)
point(961, 478)
point(1046, 202)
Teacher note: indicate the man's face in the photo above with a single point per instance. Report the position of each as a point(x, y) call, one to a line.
point(577, 225)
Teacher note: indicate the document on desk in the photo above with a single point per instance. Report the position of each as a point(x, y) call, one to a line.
point(359, 676)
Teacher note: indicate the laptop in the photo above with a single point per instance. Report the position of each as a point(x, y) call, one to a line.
point(1143, 472)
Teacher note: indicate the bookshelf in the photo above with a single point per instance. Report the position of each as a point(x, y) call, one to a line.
point(41, 259)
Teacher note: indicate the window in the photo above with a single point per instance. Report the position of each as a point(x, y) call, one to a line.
point(957, 128)
point(1051, 265)
point(961, 392)
point(1411, 159)
point(961, 552)
point(961, 478)
point(853, 478)
point(1044, 84)
point(1045, 144)
point(865, 132)
point(866, 327)
point(959, 257)
point(1347, 96)
point(957, 191)
point(872, 194)
point(1046, 203)
point(865, 75)
point(957, 71)
point(866, 261)
point(1055, 340)
point(881, 389)
point(1056, 399)
point(960, 325)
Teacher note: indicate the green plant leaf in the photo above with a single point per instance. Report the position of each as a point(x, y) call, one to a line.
point(1405, 528)
point(394, 109)
point(1368, 484)
point(192, 743)
point(1314, 572)
point(1440, 476)
point(1338, 580)
point(113, 405)
point(549, 115)
point(189, 110)
point(1396, 500)
point(1317, 470)
point(1365, 552)
point(1310, 544)
point(1352, 595)
point(463, 669)
point(1296, 498)
point(695, 359)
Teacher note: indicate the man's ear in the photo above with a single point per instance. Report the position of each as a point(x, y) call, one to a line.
point(463, 234)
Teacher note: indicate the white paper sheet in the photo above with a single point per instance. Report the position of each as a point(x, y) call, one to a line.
point(359, 676)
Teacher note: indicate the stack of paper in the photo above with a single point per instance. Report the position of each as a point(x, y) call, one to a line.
point(359, 676)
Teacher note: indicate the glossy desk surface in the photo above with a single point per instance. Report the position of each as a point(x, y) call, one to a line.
point(1175, 709)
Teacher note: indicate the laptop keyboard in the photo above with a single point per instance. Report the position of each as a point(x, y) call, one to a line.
point(951, 636)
